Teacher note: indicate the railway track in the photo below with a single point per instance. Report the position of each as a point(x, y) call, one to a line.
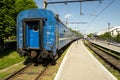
point(29, 72)
point(17, 72)
point(105, 55)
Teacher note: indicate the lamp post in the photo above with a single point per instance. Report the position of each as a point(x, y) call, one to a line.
point(108, 26)
point(109, 31)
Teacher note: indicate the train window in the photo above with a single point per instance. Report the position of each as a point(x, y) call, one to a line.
point(35, 28)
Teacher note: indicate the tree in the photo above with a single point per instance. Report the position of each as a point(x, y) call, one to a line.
point(90, 35)
point(8, 13)
point(106, 36)
point(76, 32)
point(117, 38)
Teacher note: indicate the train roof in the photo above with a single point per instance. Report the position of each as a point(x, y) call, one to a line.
point(39, 13)
point(35, 13)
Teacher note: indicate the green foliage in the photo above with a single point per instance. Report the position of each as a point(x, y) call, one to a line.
point(117, 38)
point(107, 36)
point(10, 59)
point(24, 4)
point(76, 32)
point(8, 13)
point(90, 35)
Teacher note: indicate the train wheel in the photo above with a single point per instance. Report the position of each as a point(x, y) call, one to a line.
point(56, 57)
point(40, 59)
point(53, 62)
point(33, 54)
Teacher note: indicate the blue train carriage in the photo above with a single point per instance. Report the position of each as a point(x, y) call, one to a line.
point(40, 34)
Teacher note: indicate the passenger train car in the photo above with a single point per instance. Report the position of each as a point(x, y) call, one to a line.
point(40, 34)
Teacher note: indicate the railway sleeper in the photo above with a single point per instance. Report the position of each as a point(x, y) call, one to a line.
point(113, 63)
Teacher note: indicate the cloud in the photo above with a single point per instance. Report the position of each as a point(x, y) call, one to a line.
point(68, 15)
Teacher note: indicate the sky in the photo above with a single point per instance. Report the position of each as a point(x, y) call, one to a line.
point(96, 14)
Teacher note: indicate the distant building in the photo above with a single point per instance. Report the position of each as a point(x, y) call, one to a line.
point(113, 30)
point(102, 32)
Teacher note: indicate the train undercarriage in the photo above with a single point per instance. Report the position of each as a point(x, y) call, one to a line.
point(39, 55)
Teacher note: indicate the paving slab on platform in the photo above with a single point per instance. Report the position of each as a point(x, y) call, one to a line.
point(79, 64)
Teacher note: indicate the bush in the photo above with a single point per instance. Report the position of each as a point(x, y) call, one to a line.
point(107, 36)
point(117, 38)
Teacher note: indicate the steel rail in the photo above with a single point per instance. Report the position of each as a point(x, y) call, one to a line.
point(18, 72)
point(113, 51)
point(42, 73)
point(39, 74)
point(106, 50)
point(105, 56)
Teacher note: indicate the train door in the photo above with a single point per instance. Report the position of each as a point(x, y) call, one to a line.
point(57, 36)
point(32, 34)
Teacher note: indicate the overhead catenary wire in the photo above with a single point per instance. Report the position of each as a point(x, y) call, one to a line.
point(56, 9)
point(96, 9)
point(101, 11)
point(106, 7)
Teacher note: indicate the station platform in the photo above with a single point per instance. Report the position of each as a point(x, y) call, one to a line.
point(107, 45)
point(80, 64)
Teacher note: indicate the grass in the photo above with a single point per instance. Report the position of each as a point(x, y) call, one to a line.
point(11, 70)
point(10, 59)
point(13, 58)
point(9, 56)
point(7, 59)
point(111, 69)
point(108, 51)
